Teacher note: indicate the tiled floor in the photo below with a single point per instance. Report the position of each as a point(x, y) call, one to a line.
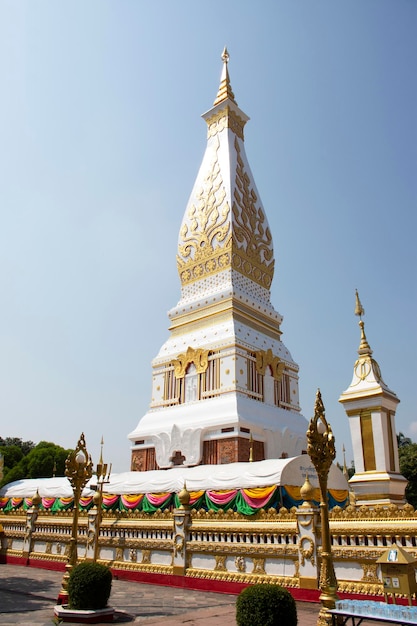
point(28, 596)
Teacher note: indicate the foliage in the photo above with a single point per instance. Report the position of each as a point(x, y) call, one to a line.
point(402, 440)
point(89, 586)
point(42, 461)
point(265, 605)
point(408, 468)
point(25, 446)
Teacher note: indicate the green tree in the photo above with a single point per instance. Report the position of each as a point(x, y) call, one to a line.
point(25, 446)
point(42, 461)
point(12, 455)
point(408, 468)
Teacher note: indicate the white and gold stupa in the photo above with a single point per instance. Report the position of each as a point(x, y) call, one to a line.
point(225, 387)
point(370, 406)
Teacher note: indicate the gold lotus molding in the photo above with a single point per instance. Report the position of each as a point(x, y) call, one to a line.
point(360, 588)
point(267, 550)
point(377, 512)
point(263, 515)
point(199, 357)
point(239, 577)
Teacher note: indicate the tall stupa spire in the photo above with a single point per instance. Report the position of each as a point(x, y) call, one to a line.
point(223, 383)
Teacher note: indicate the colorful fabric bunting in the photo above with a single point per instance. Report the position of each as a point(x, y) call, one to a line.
point(244, 501)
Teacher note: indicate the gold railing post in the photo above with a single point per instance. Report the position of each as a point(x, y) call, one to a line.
point(321, 449)
point(78, 469)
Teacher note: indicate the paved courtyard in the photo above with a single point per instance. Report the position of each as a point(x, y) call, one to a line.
point(28, 595)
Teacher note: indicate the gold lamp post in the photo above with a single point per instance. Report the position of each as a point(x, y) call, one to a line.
point(78, 469)
point(103, 478)
point(321, 449)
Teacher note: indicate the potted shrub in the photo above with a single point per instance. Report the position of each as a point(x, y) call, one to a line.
point(265, 605)
point(89, 587)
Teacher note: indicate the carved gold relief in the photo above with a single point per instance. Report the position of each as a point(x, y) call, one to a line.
point(146, 557)
point(240, 564)
point(265, 359)
point(178, 545)
point(199, 357)
point(369, 573)
point(306, 547)
point(258, 566)
point(220, 565)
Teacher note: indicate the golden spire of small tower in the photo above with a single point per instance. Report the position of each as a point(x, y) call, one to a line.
point(364, 347)
point(225, 90)
point(101, 450)
point(345, 469)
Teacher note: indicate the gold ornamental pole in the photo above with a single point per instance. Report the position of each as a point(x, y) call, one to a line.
point(103, 478)
point(78, 470)
point(321, 449)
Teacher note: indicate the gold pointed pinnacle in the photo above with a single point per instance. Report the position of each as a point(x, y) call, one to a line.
point(225, 55)
point(101, 450)
point(364, 347)
point(359, 310)
point(225, 89)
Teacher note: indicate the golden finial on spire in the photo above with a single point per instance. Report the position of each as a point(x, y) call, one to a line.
point(101, 450)
point(359, 310)
point(364, 347)
point(345, 470)
point(251, 449)
point(225, 90)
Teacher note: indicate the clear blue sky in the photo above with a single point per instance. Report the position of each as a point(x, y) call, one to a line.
point(100, 142)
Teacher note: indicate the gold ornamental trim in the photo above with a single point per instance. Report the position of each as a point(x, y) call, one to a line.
point(226, 548)
point(306, 548)
point(360, 588)
point(265, 359)
point(239, 577)
point(199, 357)
point(225, 118)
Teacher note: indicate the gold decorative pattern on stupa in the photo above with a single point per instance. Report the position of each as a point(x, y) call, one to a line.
point(214, 238)
point(252, 254)
point(265, 359)
point(199, 357)
point(205, 241)
point(226, 118)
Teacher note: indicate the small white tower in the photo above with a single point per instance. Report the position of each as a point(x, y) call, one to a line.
point(370, 406)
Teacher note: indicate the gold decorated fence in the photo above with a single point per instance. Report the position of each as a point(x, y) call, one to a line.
point(282, 547)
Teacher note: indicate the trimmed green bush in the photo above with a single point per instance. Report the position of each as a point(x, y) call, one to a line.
point(266, 605)
point(89, 586)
